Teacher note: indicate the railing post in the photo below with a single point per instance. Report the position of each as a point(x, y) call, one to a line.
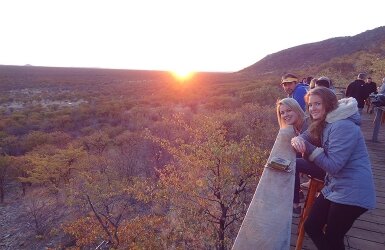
point(267, 224)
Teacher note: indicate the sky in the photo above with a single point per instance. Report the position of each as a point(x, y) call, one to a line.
point(175, 35)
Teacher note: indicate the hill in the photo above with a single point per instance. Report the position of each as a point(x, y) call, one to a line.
point(314, 57)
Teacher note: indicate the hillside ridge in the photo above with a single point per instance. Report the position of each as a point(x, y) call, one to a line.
point(305, 55)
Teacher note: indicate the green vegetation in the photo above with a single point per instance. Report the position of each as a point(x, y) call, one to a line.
point(92, 157)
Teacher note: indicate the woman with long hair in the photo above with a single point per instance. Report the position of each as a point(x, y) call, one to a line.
point(289, 112)
point(334, 142)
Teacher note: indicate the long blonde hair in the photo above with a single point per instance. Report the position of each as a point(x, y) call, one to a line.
point(293, 105)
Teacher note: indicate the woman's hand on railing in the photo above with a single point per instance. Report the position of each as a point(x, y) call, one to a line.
point(298, 144)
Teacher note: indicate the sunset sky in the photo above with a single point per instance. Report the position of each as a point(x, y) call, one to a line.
point(197, 35)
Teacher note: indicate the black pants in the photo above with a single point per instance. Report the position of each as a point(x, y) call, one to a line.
point(339, 219)
point(305, 167)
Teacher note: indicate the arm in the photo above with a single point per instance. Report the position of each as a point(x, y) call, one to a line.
point(302, 144)
point(340, 148)
point(306, 136)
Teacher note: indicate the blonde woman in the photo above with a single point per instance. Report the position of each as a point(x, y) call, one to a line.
point(289, 113)
point(312, 83)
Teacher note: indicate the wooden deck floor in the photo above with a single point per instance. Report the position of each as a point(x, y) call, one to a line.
point(368, 231)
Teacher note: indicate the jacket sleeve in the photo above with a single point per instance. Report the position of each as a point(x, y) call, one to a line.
point(339, 149)
point(306, 136)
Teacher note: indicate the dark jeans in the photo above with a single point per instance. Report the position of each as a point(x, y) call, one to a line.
point(339, 218)
point(306, 167)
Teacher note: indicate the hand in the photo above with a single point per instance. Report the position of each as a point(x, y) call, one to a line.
point(298, 144)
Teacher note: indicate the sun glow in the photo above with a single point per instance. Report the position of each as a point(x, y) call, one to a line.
point(182, 74)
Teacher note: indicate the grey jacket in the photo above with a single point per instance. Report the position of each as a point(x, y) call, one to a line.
point(344, 157)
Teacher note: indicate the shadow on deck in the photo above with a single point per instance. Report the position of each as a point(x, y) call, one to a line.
point(368, 231)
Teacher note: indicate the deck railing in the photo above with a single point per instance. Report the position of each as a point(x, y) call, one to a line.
point(267, 224)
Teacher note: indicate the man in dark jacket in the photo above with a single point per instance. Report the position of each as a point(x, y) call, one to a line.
point(357, 90)
point(370, 87)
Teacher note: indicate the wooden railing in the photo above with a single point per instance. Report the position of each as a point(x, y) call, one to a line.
point(267, 224)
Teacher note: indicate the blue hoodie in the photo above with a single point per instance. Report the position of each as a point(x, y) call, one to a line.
point(298, 94)
point(344, 157)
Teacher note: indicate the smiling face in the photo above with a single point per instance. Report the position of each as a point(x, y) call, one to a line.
point(288, 115)
point(289, 87)
point(316, 107)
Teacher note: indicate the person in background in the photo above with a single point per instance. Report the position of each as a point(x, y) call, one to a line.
point(370, 87)
point(294, 90)
point(326, 82)
point(289, 113)
point(334, 142)
point(305, 83)
point(308, 80)
point(323, 81)
point(356, 89)
point(312, 83)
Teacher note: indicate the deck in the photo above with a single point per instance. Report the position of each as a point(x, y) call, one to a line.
point(368, 231)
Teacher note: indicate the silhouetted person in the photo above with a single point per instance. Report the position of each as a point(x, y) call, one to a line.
point(370, 87)
point(356, 89)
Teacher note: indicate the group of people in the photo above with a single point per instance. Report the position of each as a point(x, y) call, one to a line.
point(361, 91)
point(321, 124)
point(298, 90)
point(310, 82)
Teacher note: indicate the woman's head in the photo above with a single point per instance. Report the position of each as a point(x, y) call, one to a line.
point(289, 112)
point(320, 101)
point(312, 83)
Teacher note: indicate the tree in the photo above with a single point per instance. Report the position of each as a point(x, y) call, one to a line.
point(96, 143)
point(38, 138)
point(53, 166)
point(37, 210)
point(111, 203)
point(205, 186)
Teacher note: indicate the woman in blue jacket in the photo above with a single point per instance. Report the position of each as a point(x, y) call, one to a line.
point(349, 187)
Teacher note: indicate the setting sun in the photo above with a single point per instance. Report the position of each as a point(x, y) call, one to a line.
point(182, 74)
